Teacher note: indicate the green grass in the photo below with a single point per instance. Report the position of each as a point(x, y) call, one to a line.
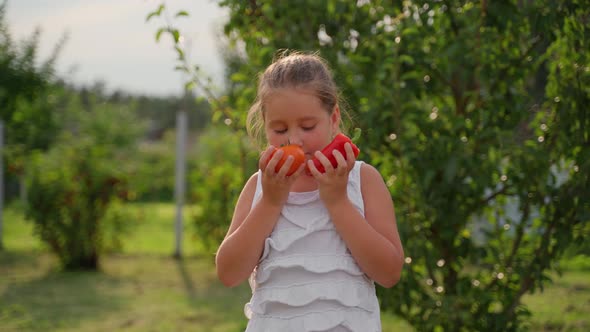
point(133, 292)
point(141, 289)
point(563, 305)
point(154, 232)
point(144, 289)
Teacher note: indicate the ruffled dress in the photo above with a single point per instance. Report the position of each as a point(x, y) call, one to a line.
point(306, 279)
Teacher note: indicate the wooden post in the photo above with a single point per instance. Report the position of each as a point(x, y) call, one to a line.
point(1, 180)
point(180, 185)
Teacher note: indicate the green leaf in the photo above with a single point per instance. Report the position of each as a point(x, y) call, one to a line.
point(404, 58)
point(181, 13)
point(331, 10)
point(156, 12)
point(216, 116)
point(189, 85)
point(239, 77)
point(176, 34)
point(180, 53)
point(451, 169)
point(159, 33)
point(356, 135)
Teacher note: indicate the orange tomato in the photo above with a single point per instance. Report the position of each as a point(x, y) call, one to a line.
point(290, 150)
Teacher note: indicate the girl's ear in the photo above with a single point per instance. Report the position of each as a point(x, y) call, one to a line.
point(335, 120)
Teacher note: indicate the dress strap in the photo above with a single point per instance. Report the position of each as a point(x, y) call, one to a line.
point(258, 188)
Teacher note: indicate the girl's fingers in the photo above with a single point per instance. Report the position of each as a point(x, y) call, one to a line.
point(272, 163)
point(312, 169)
point(324, 161)
point(299, 171)
point(340, 160)
point(265, 157)
point(350, 158)
point(286, 166)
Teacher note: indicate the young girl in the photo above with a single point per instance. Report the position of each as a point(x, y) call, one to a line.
point(312, 243)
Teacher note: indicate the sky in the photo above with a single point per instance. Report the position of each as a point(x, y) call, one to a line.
point(110, 40)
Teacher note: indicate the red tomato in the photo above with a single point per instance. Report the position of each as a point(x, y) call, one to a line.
point(290, 150)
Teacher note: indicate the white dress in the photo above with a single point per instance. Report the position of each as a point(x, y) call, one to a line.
point(306, 279)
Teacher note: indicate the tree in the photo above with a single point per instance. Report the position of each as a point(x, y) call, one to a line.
point(474, 112)
point(25, 120)
point(27, 97)
point(76, 186)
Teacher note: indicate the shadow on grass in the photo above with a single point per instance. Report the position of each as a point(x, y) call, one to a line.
point(10, 260)
point(43, 298)
point(225, 303)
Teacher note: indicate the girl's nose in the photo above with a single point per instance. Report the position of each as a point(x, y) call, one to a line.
point(295, 139)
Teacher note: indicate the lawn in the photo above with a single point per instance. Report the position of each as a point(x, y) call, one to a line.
point(145, 289)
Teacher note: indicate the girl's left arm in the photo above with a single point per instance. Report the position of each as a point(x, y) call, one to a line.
point(373, 239)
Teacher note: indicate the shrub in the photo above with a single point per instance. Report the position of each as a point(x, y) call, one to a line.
point(72, 190)
point(217, 182)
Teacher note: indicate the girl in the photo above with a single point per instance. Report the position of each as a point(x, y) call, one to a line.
point(312, 243)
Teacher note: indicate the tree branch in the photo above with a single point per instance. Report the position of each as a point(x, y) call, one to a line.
point(542, 251)
point(503, 71)
point(486, 200)
point(515, 244)
point(454, 25)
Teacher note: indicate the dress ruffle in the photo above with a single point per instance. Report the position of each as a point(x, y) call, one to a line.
point(347, 293)
point(350, 320)
point(313, 264)
point(281, 241)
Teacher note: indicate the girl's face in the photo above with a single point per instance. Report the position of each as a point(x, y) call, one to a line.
point(297, 117)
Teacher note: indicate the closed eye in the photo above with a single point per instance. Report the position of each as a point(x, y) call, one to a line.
point(282, 131)
point(308, 128)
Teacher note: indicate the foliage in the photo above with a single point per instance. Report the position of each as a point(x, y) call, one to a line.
point(575, 263)
point(74, 188)
point(22, 84)
point(37, 106)
point(217, 181)
point(474, 112)
point(142, 125)
point(24, 89)
point(71, 191)
point(161, 112)
point(153, 170)
point(26, 100)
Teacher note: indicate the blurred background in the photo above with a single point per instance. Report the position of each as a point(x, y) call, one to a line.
point(124, 149)
point(111, 42)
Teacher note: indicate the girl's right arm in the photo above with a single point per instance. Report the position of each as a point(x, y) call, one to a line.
point(242, 247)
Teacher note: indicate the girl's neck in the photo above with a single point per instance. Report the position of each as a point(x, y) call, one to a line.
point(304, 183)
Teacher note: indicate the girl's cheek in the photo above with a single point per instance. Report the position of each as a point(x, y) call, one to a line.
point(271, 136)
point(276, 140)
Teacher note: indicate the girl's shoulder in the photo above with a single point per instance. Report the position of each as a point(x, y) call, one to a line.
point(250, 186)
point(367, 169)
point(370, 178)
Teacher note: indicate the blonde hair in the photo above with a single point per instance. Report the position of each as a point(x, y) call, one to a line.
point(291, 69)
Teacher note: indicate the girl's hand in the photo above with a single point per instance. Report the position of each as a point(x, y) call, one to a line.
point(276, 185)
point(333, 182)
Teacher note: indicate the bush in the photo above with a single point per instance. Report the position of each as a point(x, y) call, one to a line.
point(575, 263)
point(73, 195)
point(217, 182)
point(152, 178)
